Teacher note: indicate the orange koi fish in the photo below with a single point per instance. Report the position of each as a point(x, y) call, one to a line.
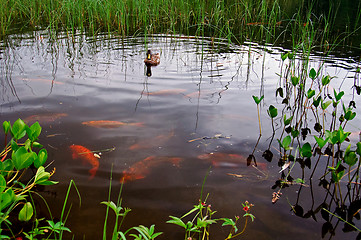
point(226, 160)
point(166, 92)
point(44, 118)
point(140, 170)
point(87, 156)
point(146, 143)
point(110, 124)
point(42, 80)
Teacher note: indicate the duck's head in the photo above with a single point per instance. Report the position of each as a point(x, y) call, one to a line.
point(149, 54)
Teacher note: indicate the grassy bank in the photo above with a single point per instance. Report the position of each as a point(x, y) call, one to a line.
point(239, 21)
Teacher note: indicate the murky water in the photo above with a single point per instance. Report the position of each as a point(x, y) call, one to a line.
point(197, 101)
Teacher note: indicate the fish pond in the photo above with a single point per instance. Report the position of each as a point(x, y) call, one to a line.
point(187, 130)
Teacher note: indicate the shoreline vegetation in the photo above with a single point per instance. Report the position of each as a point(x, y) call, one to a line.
point(288, 22)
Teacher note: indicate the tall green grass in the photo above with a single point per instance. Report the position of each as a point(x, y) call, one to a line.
point(235, 20)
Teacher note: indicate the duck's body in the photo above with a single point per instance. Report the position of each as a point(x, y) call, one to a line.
point(152, 59)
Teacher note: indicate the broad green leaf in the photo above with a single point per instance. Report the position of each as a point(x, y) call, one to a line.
point(286, 142)
point(272, 111)
point(177, 221)
point(321, 142)
point(324, 105)
point(41, 176)
point(310, 93)
point(339, 95)
point(26, 212)
point(41, 159)
point(286, 120)
point(306, 150)
point(295, 80)
point(23, 159)
point(18, 129)
point(312, 73)
point(325, 80)
point(2, 183)
point(284, 56)
point(33, 131)
point(6, 198)
point(316, 102)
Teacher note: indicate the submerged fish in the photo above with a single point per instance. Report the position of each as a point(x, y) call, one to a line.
point(87, 157)
point(110, 124)
point(44, 118)
point(141, 169)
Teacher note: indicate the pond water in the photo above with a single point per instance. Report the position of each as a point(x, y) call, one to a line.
point(193, 115)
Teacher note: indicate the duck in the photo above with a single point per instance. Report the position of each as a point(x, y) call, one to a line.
point(152, 59)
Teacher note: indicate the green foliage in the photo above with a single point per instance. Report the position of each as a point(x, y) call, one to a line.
point(257, 100)
point(272, 111)
point(17, 157)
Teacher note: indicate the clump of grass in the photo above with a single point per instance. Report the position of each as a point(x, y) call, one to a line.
point(260, 20)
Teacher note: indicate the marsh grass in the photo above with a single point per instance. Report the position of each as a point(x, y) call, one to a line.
point(237, 21)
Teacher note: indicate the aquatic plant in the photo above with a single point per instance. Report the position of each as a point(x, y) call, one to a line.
point(17, 184)
point(307, 99)
point(201, 216)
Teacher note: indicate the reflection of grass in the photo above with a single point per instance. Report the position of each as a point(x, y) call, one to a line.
point(242, 20)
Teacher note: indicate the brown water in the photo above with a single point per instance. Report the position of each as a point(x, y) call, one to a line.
point(197, 101)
